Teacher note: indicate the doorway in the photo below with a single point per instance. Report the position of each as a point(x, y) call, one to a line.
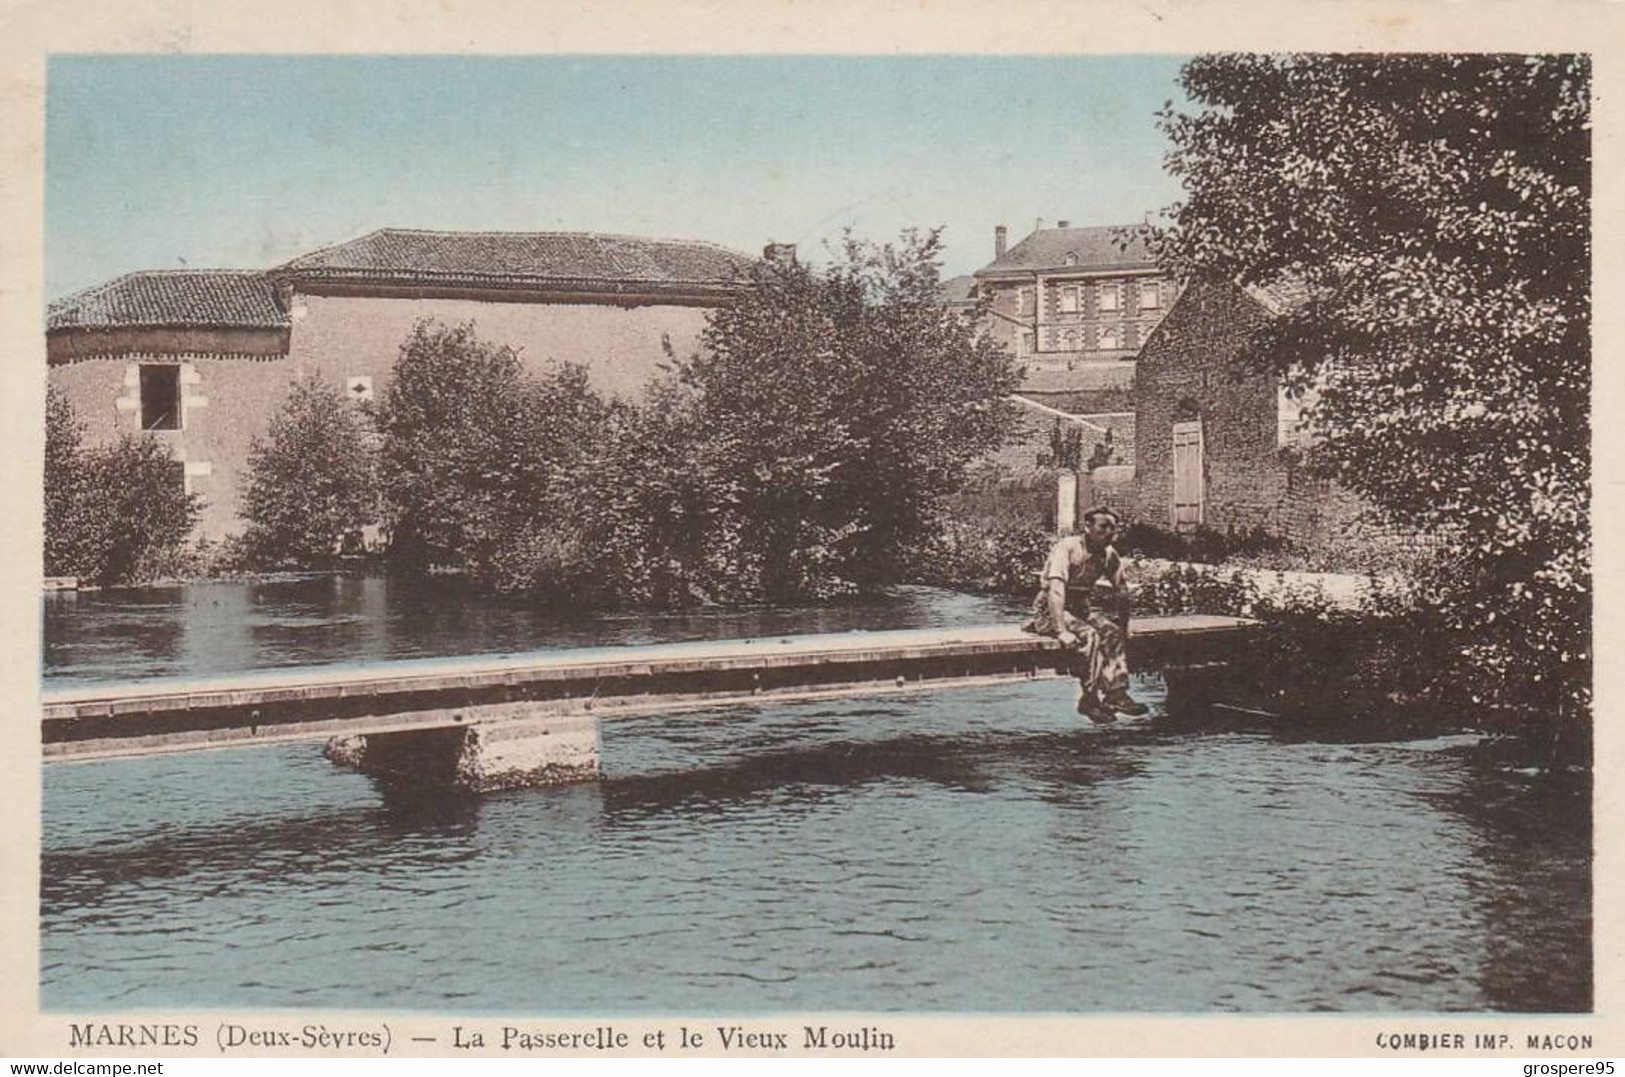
point(1188, 476)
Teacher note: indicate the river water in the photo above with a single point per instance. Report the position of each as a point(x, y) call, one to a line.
point(972, 849)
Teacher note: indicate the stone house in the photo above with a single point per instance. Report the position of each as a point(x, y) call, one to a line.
point(202, 359)
point(1217, 439)
point(1075, 305)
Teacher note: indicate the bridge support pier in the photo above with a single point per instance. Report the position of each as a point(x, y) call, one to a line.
point(482, 754)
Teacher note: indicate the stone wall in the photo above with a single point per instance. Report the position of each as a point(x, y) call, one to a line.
point(1111, 488)
point(1195, 368)
point(228, 399)
point(225, 403)
point(1033, 427)
point(1191, 369)
point(350, 336)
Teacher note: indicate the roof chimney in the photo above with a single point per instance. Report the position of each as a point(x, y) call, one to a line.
point(1000, 237)
point(1063, 224)
point(780, 254)
point(1038, 225)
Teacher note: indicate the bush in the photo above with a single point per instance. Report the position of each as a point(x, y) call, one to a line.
point(831, 414)
point(1315, 658)
point(1203, 545)
point(312, 481)
point(74, 533)
point(116, 513)
point(492, 470)
point(802, 454)
point(984, 557)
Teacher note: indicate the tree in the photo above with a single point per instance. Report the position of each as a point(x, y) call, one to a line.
point(832, 413)
point(138, 488)
point(1434, 212)
point(73, 539)
point(483, 464)
point(312, 480)
point(115, 513)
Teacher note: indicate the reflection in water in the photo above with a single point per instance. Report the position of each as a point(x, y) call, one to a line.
point(1536, 830)
point(219, 627)
point(971, 850)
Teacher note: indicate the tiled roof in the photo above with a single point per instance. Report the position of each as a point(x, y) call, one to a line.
point(179, 298)
point(1109, 247)
point(520, 258)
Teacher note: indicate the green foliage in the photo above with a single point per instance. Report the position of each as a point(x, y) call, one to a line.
point(312, 481)
point(1312, 657)
point(984, 557)
point(1203, 544)
point(831, 413)
point(73, 531)
point(488, 468)
point(1434, 212)
point(113, 513)
point(803, 453)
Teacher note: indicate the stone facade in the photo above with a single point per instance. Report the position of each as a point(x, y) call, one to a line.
point(203, 359)
point(353, 336)
point(1067, 301)
point(1190, 372)
point(226, 402)
point(1194, 374)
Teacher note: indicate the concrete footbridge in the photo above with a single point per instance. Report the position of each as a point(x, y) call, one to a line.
point(505, 721)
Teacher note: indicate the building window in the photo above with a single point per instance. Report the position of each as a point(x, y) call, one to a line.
point(160, 396)
point(1069, 342)
point(1026, 302)
point(1111, 337)
point(1024, 342)
point(1069, 300)
point(1150, 296)
point(1108, 297)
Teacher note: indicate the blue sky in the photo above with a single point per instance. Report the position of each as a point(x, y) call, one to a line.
point(246, 161)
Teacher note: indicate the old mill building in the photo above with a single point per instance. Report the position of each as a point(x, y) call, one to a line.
point(202, 359)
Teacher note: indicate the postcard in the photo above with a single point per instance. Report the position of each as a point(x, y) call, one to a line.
point(698, 530)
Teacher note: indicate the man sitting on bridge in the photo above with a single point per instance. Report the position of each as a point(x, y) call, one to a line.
point(1083, 601)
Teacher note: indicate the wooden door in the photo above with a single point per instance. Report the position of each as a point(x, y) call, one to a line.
point(1187, 476)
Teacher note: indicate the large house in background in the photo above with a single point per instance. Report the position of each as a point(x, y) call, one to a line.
point(1151, 377)
point(1074, 305)
point(202, 358)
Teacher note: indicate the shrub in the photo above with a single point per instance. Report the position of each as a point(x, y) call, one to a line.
point(115, 513)
point(984, 557)
point(312, 480)
point(74, 534)
point(832, 412)
point(1203, 545)
point(493, 470)
point(1315, 658)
